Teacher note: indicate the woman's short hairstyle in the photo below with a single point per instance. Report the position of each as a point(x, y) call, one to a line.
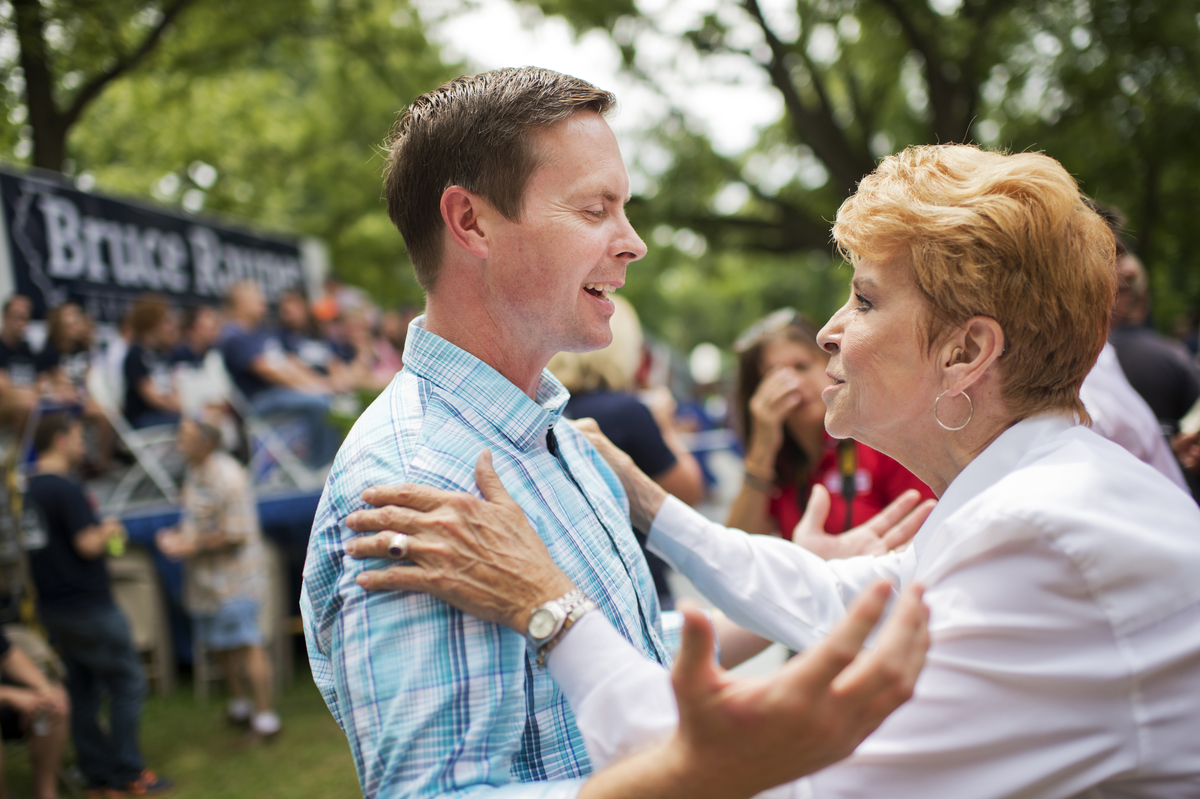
point(473, 132)
point(1004, 236)
point(613, 368)
point(146, 314)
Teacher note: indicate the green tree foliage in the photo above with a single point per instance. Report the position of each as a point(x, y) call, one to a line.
point(274, 111)
point(1109, 87)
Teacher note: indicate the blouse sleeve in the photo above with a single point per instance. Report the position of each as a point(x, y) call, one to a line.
point(767, 585)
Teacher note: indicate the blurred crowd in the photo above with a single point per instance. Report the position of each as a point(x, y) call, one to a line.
point(165, 362)
point(75, 406)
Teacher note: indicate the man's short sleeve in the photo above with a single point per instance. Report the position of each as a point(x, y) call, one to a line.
point(77, 512)
point(239, 513)
point(135, 368)
point(240, 350)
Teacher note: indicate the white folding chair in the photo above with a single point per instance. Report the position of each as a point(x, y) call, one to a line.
point(147, 447)
point(265, 442)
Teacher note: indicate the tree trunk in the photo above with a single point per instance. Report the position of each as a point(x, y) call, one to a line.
point(49, 128)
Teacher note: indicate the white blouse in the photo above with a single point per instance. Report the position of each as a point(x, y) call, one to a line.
point(1121, 415)
point(1063, 580)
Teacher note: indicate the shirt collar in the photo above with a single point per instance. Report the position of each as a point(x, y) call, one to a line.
point(471, 382)
point(1015, 445)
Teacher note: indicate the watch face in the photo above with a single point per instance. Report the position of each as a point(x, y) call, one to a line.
point(541, 623)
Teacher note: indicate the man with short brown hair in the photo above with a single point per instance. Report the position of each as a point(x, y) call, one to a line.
point(474, 132)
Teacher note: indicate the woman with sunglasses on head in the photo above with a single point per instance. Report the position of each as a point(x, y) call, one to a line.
point(792, 465)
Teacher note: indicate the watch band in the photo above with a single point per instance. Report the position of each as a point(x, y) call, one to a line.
point(546, 620)
point(577, 612)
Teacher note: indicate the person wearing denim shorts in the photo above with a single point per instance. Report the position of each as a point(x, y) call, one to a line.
point(220, 539)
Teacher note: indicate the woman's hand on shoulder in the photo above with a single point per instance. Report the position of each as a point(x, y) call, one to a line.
point(480, 555)
point(646, 497)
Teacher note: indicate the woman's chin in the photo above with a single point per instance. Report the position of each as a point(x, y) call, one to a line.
point(834, 426)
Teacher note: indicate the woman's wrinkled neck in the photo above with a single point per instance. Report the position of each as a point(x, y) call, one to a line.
point(946, 453)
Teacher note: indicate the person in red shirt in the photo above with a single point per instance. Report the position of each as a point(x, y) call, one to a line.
point(790, 460)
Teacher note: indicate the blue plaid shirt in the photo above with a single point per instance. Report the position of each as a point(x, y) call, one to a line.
point(435, 701)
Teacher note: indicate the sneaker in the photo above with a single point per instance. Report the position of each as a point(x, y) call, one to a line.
point(147, 784)
point(239, 711)
point(265, 724)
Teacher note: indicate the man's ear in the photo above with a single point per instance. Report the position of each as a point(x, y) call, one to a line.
point(969, 352)
point(463, 213)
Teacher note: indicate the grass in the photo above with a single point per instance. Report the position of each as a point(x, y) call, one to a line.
point(193, 745)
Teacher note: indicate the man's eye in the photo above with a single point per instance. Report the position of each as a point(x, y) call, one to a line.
point(596, 212)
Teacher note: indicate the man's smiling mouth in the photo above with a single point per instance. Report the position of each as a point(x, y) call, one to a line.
point(600, 290)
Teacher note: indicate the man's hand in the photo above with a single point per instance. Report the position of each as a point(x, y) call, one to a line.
point(174, 545)
point(737, 737)
point(1186, 447)
point(51, 701)
point(646, 497)
point(23, 700)
point(892, 527)
point(54, 701)
point(479, 555)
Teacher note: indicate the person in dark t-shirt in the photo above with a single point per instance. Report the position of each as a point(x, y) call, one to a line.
point(67, 546)
point(18, 366)
point(1158, 368)
point(66, 356)
point(150, 397)
point(272, 380)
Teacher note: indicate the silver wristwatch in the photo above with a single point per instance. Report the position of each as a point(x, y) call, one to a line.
point(551, 619)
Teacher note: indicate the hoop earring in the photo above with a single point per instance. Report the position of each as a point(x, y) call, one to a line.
point(942, 424)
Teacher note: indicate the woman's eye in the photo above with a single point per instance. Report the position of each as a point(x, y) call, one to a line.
point(863, 303)
point(596, 212)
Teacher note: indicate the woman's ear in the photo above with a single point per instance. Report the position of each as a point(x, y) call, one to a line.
point(968, 353)
point(463, 213)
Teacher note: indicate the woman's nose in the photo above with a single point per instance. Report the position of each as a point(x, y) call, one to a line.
point(829, 335)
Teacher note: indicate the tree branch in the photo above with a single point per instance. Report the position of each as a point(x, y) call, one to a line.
point(817, 128)
point(93, 87)
point(941, 93)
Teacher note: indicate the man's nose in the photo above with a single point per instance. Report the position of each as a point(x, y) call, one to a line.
point(629, 244)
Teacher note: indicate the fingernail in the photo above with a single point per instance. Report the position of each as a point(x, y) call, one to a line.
point(368, 495)
point(361, 580)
